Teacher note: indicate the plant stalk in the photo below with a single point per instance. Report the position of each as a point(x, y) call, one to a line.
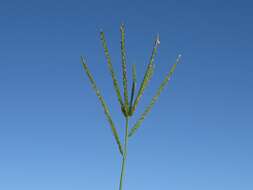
point(124, 156)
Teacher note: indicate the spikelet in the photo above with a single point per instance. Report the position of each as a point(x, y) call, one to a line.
point(124, 68)
point(148, 74)
point(104, 105)
point(114, 79)
point(155, 97)
point(130, 113)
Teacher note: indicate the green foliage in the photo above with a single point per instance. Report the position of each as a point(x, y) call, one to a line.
point(128, 107)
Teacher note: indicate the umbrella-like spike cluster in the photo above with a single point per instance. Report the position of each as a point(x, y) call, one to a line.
point(128, 106)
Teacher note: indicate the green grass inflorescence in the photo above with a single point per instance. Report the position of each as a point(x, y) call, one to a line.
point(128, 106)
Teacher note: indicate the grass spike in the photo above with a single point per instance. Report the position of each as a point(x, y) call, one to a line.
point(155, 97)
point(133, 89)
point(114, 79)
point(124, 68)
point(148, 74)
point(104, 105)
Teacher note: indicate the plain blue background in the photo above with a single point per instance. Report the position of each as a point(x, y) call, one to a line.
point(53, 133)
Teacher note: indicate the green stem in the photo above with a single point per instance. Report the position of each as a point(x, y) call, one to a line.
point(124, 156)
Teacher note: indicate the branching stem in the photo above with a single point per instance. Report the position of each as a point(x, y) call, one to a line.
point(124, 156)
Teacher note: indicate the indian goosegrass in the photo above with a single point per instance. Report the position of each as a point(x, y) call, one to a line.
point(128, 106)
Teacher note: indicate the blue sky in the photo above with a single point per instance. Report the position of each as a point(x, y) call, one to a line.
point(53, 133)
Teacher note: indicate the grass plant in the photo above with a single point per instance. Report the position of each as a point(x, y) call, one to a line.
point(128, 106)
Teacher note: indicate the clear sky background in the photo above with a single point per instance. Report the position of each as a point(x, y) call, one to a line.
point(53, 133)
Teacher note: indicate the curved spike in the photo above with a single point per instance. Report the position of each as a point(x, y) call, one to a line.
point(155, 97)
point(148, 74)
point(104, 105)
point(124, 68)
point(109, 63)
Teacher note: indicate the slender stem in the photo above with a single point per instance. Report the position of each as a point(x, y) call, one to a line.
point(124, 156)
